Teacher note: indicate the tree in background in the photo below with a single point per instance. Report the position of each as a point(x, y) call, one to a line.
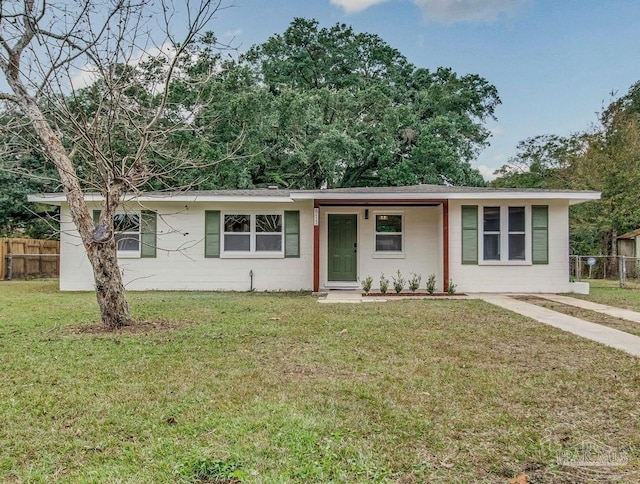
point(112, 137)
point(606, 160)
point(328, 107)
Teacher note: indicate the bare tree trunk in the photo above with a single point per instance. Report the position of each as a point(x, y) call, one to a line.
point(114, 309)
point(102, 254)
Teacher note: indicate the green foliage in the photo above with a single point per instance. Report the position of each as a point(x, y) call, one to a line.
point(384, 284)
point(451, 288)
point(367, 282)
point(23, 170)
point(318, 107)
point(605, 160)
point(212, 470)
point(431, 284)
point(398, 282)
point(414, 282)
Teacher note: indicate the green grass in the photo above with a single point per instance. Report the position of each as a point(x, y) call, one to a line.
point(609, 292)
point(218, 387)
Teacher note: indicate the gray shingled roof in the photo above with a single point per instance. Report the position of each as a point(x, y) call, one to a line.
point(281, 192)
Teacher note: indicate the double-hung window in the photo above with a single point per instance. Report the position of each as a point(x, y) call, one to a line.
point(517, 233)
point(389, 233)
point(491, 236)
point(134, 232)
point(126, 227)
point(252, 233)
point(504, 234)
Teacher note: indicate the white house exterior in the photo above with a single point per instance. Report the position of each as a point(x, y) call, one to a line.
point(482, 239)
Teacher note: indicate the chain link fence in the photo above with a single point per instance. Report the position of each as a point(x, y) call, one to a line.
point(620, 268)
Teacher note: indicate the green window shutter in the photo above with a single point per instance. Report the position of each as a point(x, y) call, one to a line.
point(540, 234)
point(212, 233)
point(148, 229)
point(96, 217)
point(469, 234)
point(292, 233)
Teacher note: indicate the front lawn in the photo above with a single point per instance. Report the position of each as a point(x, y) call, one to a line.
point(268, 388)
point(609, 292)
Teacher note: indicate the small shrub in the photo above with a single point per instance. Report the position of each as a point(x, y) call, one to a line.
point(366, 284)
point(451, 290)
point(384, 284)
point(431, 284)
point(414, 282)
point(398, 282)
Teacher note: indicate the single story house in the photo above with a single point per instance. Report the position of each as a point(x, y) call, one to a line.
point(482, 239)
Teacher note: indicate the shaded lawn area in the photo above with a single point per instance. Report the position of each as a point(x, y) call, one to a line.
point(278, 388)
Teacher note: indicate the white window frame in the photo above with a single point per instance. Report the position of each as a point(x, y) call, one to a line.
point(516, 232)
point(252, 253)
point(389, 254)
point(504, 235)
point(130, 254)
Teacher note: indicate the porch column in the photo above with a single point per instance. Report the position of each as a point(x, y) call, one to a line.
point(316, 246)
point(445, 244)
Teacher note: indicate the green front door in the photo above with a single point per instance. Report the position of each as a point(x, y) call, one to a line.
point(343, 237)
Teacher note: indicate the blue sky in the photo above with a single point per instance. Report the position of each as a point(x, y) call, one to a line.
point(555, 62)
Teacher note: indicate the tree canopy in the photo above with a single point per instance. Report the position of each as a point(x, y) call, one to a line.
point(606, 159)
point(328, 107)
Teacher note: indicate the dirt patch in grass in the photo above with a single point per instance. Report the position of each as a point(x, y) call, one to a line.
point(586, 314)
point(136, 327)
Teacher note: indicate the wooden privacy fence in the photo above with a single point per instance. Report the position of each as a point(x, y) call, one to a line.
point(25, 258)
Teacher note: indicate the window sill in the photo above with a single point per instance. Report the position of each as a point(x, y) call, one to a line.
point(389, 255)
point(252, 255)
point(505, 263)
point(129, 255)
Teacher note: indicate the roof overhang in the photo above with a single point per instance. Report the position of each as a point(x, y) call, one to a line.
point(337, 196)
point(573, 197)
point(60, 198)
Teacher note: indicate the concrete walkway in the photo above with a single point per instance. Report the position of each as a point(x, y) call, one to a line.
point(586, 329)
point(598, 308)
point(596, 332)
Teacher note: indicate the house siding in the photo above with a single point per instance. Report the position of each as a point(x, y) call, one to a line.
point(422, 233)
point(508, 276)
point(180, 263)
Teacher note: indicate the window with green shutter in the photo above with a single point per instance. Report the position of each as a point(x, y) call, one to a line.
point(292, 233)
point(540, 234)
point(469, 234)
point(148, 230)
point(212, 233)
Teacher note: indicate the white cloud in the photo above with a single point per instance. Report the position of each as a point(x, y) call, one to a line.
point(352, 6)
point(450, 11)
point(487, 172)
point(446, 11)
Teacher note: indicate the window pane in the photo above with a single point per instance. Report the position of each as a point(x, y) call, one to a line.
point(269, 243)
point(492, 219)
point(123, 222)
point(237, 223)
point(388, 223)
point(391, 243)
point(516, 219)
point(237, 242)
point(268, 223)
point(491, 247)
point(516, 246)
point(128, 241)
